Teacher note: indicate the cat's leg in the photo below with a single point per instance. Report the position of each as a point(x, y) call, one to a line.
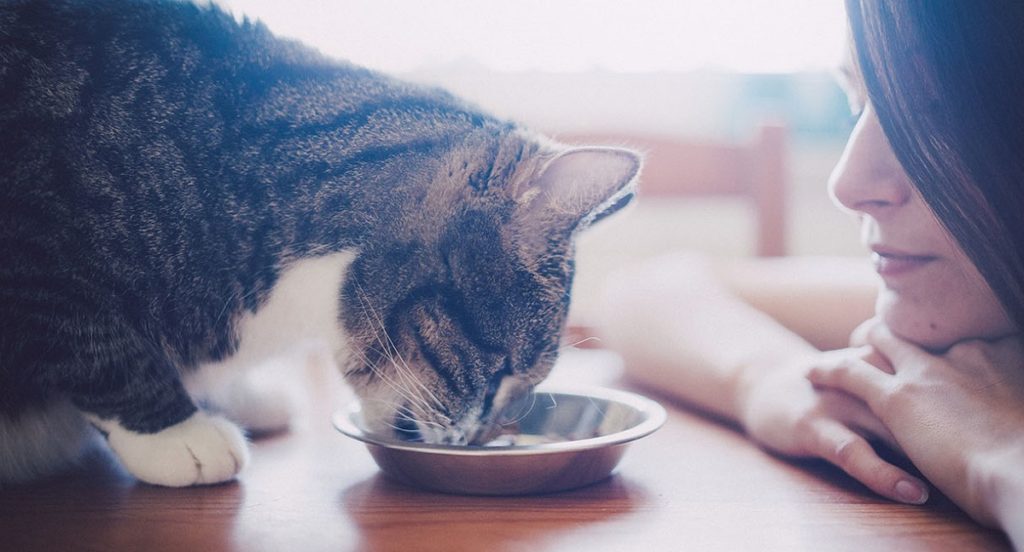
point(137, 400)
point(261, 399)
point(42, 440)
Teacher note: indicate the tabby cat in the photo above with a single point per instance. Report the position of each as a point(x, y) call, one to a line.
point(184, 194)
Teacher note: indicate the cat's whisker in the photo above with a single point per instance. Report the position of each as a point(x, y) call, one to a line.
point(401, 367)
point(524, 413)
point(400, 387)
point(233, 297)
point(390, 346)
point(403, 390)
point(580, 342)
point(404, 413)
point(428, 423)
point(425, 395)
point(397, 387)
point(413, 387)
point(406, 380)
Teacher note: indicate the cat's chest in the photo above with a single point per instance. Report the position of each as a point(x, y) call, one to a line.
point(302, 310)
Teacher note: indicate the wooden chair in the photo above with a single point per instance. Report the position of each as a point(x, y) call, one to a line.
point(753, 171)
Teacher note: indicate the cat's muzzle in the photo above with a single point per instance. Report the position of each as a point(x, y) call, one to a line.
point(505, 403)
point(502, 408)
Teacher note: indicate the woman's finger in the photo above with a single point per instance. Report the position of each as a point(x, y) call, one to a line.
point(849, 451)
point(898, 351)
point(853, 376)
point(856, 414)
point(874, 357)
point(859, 336)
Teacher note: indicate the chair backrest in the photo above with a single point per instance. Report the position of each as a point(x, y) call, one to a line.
point(754, 171)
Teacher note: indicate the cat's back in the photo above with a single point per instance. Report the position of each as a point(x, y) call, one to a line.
point(82, 82)
point(100, 89)
point(141, 130)
point(114, 107)
point(56, 54)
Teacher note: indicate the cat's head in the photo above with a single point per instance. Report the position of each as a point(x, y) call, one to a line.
point(459, 310)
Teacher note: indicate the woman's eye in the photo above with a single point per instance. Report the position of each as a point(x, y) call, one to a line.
point(857, 104)
point(855, 113)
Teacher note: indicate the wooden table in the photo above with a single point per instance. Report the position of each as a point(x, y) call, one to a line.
point(693, 485)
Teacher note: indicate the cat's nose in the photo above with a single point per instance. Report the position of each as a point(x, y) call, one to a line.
point(454, 436)
point(503, 406)
point(494, 386)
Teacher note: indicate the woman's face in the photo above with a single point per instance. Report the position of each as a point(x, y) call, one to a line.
point(931, 293)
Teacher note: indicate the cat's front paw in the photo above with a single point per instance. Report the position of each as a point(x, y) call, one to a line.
point(201, 450)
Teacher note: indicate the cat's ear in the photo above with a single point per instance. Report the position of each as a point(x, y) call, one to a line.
point(579, 187)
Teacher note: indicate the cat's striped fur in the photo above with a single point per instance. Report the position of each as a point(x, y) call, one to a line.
point(164, 167)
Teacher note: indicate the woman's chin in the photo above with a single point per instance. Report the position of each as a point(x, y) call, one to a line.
point(918, 328)
point(935, 329)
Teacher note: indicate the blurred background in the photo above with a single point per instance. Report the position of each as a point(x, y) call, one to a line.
point(687, 71)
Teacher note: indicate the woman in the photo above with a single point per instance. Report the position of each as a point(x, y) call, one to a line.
point(935, 171)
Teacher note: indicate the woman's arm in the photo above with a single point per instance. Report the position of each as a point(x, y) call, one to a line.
point(684, 334)
point(717, 318)
point(821, 299)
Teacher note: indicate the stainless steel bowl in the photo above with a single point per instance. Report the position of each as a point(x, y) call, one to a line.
point(575, 438)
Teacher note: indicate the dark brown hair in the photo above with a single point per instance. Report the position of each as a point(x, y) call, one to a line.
point(946, 78)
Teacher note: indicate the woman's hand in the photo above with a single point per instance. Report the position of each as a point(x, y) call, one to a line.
point(958, 416)
point(782, 411)
point(715, 351)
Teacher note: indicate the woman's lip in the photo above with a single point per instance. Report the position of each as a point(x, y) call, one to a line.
point(891, 264)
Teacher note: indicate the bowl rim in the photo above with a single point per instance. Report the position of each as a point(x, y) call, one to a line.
point(655, 416)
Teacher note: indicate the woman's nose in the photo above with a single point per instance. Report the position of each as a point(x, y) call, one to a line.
point(868, 178)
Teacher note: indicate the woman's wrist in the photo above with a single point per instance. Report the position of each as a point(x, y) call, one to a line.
point(750, 377)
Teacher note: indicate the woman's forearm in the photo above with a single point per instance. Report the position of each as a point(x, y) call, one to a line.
point(821, 299)
point(684, 334)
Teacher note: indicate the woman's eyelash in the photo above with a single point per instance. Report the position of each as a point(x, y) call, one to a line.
point(856, 110)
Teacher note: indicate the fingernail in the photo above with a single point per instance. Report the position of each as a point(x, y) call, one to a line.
point(911, 493)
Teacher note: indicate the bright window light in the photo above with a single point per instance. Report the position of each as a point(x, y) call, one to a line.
point(748, 36)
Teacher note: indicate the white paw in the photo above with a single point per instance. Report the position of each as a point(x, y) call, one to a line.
point(201, 450)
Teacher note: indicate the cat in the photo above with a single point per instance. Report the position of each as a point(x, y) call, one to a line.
point(184, 195)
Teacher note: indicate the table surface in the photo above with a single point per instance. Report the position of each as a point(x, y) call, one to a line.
point(695, 484)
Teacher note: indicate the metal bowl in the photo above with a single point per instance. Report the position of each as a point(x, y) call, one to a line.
point(567, 439)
